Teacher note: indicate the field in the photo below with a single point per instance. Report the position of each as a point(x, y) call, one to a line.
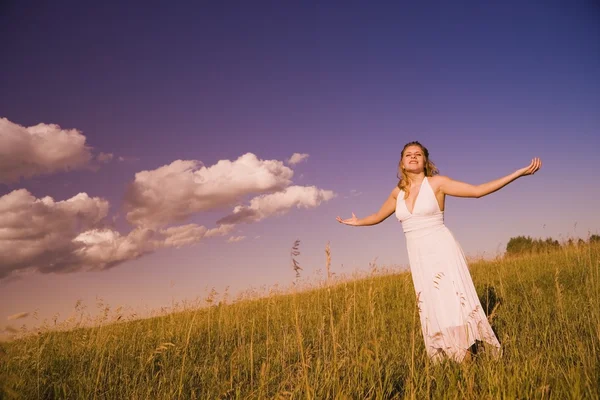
point(346, 338)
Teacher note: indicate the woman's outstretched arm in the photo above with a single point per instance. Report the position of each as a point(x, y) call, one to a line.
point(387, 209)
point(461, 189)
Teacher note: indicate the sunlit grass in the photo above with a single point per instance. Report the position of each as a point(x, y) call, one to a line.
point(344, 338)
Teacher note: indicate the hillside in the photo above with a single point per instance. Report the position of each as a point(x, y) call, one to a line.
point(354, 339)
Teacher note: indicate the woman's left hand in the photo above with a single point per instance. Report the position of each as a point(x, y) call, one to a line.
point(535, 165)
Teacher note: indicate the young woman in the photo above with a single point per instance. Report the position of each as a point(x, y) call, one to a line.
point(452, 319)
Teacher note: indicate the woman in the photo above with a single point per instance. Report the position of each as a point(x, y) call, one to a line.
point(452, 319)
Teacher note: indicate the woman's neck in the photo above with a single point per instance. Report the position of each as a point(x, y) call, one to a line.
point(415, 179)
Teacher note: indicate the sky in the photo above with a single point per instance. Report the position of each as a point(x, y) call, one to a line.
point(151, 152)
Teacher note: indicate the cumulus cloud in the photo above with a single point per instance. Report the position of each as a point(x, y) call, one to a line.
point(172, 193)
point(39, 149)
point(297, 158)
point(44, 235)
point(38, 232)
point(221, 230)
point(107, 248)
point(278, 203)
point(64, 236)
point(234, 239)
point(183, 235)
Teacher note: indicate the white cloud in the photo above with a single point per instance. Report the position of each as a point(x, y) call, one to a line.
point(183, 235)
point(38, 233)
point(234, 239)
point(39, 149)
point(221, 230)
point(64, 236)
point(107, 248)
point(174, 192)
point(297, 158)
point(44, 235)
point(278, 203)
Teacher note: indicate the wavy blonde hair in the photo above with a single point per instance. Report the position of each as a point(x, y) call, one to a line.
point(430, 168)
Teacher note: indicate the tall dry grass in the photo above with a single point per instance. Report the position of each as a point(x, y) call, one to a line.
point(345, 339)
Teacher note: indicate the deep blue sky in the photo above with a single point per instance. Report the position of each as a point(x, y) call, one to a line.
point(485, 86)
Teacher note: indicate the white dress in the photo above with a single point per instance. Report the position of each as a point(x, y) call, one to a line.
point(451, 315)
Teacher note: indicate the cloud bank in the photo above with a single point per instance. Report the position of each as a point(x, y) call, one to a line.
point(45, 235)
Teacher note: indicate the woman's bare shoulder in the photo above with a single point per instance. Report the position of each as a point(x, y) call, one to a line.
point(437, 180)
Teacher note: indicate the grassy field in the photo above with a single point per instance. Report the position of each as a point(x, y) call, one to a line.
point(351, 339)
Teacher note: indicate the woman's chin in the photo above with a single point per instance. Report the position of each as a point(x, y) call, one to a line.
point(414, 169)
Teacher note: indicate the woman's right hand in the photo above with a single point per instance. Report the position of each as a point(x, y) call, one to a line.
point(350, 221)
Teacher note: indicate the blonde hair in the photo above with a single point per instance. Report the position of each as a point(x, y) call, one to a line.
point(430, 168)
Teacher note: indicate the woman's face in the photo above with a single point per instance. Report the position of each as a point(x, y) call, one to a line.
point(413, 159)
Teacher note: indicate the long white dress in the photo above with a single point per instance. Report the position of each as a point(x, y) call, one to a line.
point(451, 315)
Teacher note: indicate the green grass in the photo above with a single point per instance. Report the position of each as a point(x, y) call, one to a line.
point(355, 339)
